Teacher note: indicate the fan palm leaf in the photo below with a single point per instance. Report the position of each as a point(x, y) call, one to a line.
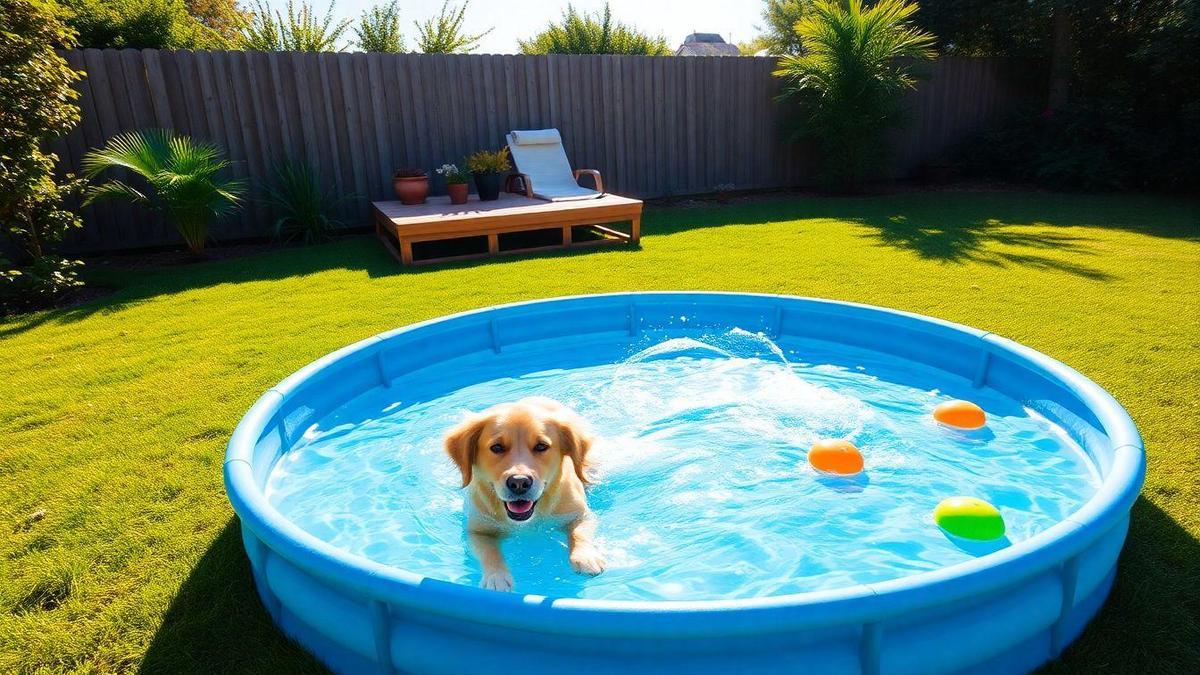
point(180, 174)
point(851, 79)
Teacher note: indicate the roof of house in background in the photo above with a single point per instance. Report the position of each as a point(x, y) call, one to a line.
point(706, 44)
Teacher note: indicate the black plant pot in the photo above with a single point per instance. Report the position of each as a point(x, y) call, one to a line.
point(488, 186)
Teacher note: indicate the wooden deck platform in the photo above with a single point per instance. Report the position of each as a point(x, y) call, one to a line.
point(400, 226)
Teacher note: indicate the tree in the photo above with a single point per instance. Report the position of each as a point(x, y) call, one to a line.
point(223, 17)
point(595, 33)
point(180, 173)
point(37, 105)
point(1114, 85)
point(779, 35)
point(1015, 28)
point(851, 81)
point(378, 29)
point(752, 47)
point(300, 31)
point(443, 34)
point(153, 24)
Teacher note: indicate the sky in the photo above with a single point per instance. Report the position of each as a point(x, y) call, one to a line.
point(513, 19)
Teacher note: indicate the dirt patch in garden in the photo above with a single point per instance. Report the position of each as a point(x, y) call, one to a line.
point(157, 258)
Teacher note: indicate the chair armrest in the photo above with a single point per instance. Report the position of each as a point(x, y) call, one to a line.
point(525, 182)
point(595, 177)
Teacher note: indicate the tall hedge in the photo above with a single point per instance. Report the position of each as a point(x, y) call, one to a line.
point(37, 105)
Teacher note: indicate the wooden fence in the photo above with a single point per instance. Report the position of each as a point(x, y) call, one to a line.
point(654, 126)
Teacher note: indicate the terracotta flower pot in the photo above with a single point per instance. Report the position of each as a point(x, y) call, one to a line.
point(458, 193)
point(411, 191)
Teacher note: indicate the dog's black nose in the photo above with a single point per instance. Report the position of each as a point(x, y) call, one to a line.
point(519, 485)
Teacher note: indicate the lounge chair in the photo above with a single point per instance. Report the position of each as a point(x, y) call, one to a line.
point(543, 169)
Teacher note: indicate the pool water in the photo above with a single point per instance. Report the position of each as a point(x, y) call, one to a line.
point(702, 487)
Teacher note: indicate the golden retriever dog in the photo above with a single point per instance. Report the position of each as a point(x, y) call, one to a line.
point(523, 461)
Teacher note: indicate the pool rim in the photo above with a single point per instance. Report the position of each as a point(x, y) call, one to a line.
point(1110, 504)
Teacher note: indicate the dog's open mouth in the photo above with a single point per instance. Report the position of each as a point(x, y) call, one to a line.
point(520, 509)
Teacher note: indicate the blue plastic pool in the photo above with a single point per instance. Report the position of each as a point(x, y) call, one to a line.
point(726, 551)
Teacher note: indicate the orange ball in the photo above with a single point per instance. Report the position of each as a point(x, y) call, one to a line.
point(835, 456)
point(960, 414)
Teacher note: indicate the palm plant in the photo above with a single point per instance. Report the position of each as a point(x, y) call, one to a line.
point(180, 174)
point(443, 34)
point(378, 29)
point(305, 206)
point(851, 80)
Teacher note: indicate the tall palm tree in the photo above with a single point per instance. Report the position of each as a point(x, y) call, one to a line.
point(851, 79)
point(180, 174)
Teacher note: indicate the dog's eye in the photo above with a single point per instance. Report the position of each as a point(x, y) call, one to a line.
point(497, 448)
point(541, 447)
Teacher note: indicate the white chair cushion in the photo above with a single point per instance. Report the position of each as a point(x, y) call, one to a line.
point(537, 137)
point(545, 162)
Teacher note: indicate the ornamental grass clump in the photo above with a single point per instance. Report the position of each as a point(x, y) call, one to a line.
point(306, 207)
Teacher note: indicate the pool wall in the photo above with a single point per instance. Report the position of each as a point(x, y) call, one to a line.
point(1008, 611)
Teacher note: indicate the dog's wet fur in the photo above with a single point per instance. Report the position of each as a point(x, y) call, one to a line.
point(521, 462)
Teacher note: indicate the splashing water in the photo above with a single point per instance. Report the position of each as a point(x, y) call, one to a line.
point(703, 491)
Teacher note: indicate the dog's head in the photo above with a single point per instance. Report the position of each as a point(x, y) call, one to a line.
point(517, 449)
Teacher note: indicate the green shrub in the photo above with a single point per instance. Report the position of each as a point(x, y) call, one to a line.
point(1088, 145)
point(378, 29)
point(180, 173)
point(37, 105)
point(153, 24)
point(850, 81)
point(485, 161)
point(779, 35)
point(299, 31)
point(38, 284)
point(305, 205)
point(443, 34)
point(595, 33)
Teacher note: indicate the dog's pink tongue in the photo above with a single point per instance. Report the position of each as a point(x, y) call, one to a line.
point(520, 506)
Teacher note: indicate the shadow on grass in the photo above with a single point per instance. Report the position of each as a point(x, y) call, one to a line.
point(958, 227)
point(975, 242)
point(352, 253)
point(1151, 620)
point(216, 623)
point(1150, 215)
point(1149, 623)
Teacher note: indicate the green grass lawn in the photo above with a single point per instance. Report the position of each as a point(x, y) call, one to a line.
point(119, 550)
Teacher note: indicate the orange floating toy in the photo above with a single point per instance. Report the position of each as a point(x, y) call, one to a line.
point(836, 457)
point(960, 415)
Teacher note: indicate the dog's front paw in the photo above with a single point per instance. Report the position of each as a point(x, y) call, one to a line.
point(497, 581)
point(587, 561)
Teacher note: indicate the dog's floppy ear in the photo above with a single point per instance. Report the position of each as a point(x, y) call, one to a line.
point(463, 441)
point(576, 443)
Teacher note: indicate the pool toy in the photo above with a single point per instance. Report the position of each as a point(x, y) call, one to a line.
point(969, 518)
point(835, 456)
point(960, 415)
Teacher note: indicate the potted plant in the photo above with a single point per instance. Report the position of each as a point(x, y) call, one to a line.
point(488, 167)
point(412, 186)
point(456, 182)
